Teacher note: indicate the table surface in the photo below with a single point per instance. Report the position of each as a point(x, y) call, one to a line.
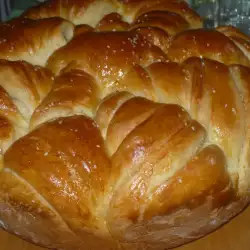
point(233, 236)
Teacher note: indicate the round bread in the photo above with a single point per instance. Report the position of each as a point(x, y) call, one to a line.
point(124, 125)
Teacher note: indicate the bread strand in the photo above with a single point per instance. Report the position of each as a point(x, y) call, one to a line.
point(29, 85)
point(149, 209)
point(79, 12)
point(126, 79)
point(30, 237)
point(33, 41)
point(184, 100)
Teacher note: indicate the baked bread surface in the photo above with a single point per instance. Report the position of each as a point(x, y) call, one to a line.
point(123, 125)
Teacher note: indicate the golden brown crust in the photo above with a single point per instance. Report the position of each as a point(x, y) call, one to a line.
point(136, 81)
point(124, 121)
point(76, 11)
point(156, 36)
point(150, 181)
point(80, 12)
point(82, 28)
point(141, 138)
point(22, 87)
point(112, 22)
point(115, 54)
point(224, 118)
point(33, 40)
point(179, 7)
point(169, 22)
point(132, 9)
point(28, 215)
point(207, 172)
point(26, 84)
point(205, 44)
point(107, 109)
point(170, 83)
point(72, 179)
point(240, 39)
point(74, 92)
point(7, 135)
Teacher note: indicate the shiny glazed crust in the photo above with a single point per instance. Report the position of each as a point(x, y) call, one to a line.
point(124, 125)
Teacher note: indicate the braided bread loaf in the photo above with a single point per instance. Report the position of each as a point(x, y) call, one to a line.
point(124, 124)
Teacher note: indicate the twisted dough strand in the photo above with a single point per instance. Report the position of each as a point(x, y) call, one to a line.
point(141, 141)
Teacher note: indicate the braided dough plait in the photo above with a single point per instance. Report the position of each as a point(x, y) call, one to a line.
point(133, 133)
